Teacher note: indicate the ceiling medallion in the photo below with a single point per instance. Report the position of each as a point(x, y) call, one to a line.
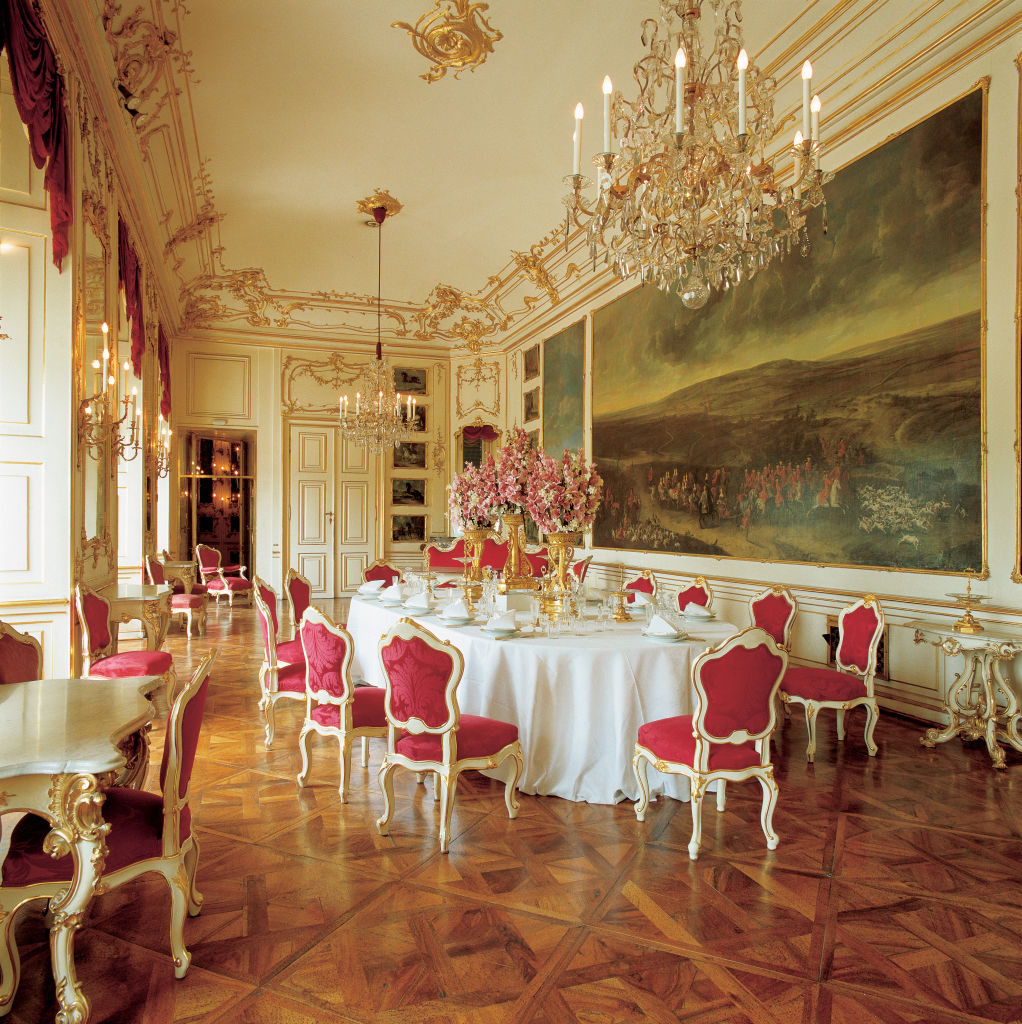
point(454, 36)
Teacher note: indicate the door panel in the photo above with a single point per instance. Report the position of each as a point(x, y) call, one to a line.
point(310, 509)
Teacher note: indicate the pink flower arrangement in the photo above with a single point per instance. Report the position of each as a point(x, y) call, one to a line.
point(515, 464)
point(563, 494)
point(472, 497)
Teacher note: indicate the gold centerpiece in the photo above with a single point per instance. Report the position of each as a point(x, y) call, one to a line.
point(968, 624)
point(561, 545)
point(517, 568)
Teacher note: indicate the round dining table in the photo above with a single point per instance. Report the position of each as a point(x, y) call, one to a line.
point(578, 700)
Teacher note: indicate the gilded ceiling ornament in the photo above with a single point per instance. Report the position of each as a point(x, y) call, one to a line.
point(3, 337)
point(205, 220)
point(381, 197)
point(454, 35)
point(480, 377)
point(531, 266)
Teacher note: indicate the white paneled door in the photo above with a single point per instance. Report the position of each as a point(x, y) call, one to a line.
point(332, 528)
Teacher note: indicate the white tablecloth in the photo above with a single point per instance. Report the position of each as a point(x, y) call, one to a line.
point(578, 701)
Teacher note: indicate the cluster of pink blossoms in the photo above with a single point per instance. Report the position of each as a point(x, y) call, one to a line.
point(516, 461)
point(563, 494)
point(472, 497)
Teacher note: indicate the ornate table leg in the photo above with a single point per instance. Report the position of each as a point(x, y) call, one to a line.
point(136, 758)
point(963, 714)
point(989, 714)
point(1009, 721)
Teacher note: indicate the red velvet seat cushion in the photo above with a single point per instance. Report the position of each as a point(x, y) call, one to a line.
point(671, 739)
point(181, 601)
point(233, 583)
point(477, 737)
point(821, 684)
point(136, 833)
point(291, 678)
point(366, 710)
point(132, 663)
point(290, 651)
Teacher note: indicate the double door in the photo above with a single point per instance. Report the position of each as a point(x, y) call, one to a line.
point(333, 509)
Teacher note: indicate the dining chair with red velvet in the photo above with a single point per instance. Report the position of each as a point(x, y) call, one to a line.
point(222, 579)
point(183, 605)
point(860, 628)
point(644, 583)
point(727, 737)
point(426, 731)
point(697, 592)
point(334, 706)
point(299, 597)
point(282, 673)
point(100, 657)
point(147, 832)
point(381, 569)
point(581, 569)
point(21, 656)
point(774, 610)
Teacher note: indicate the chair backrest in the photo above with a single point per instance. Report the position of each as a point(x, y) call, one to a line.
point(208, 559)
point(154, 570)
point(697, 593)
point(860, 627)
point(182, 739)
point(328, 654)
point(422, 674)
point(266, 606)
point(299, 596)
point(381, 569)
point(537, 558)
point(94, 618)
point(645, 582)
point(438, 557)
point(581, 567)
point(21, 657)
point(774, 610)
point(494, 554)
point(735, 686)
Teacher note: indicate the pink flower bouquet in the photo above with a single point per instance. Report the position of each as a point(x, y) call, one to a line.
point(563, 494)
point(515, 462)
point(472, 497)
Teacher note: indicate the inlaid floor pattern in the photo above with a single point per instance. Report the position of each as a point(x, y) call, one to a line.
point(895, 894)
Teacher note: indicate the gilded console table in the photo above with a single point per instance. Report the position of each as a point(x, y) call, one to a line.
point(143, 601)
point(981, 703)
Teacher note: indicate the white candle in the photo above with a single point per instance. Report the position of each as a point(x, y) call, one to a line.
point(743, 63)
point(807, 88)
point(577, 164)
point(679, 91)
point(608, 88)
point(798, 165)
point(106, 354)
point(358, 402)
point(815, 108)
point(95, 376)
point(379, 403)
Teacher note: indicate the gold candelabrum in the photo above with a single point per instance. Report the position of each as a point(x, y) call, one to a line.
point(517, 573)
point(693, 198)
point(554, 589)
point(100, 429)
point(475, 539)
point(161, 448)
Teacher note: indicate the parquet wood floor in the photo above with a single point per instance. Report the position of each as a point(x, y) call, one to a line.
point(895, 895)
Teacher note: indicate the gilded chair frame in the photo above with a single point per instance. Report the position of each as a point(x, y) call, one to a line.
point(789, 599)
point(382, 563)
point(26, 639)
point(269, 689)
point(292, 576)
point(184, 613)
point(206, 574)
point(700, 583)
point(644, 574)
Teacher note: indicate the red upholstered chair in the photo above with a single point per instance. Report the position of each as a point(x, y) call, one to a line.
point(860, 627)
point(381, 569)
point(427, 731)
point(538, 558)
point(221, 579)
point(99, 646)
point(698, 593)
point(299, 597)
point(774, 610)
point(447, 559)
point(644, 582)
point(727, 738)
point(185, 606)
point(334, 706)
point(282, 673)
point(21, 657)
point(146, 832)
point(581, 568)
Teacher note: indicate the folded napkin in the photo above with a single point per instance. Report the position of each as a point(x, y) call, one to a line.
point(698, 611)
point(639, 598)
point(371, 587)
point(502, 620)
point(393, 593)
point(419, 602)
point(455, 610)
point(659, 626)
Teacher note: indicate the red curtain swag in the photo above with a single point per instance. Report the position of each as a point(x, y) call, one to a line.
point(163, 350)
point(483, 433)
point(130, 276)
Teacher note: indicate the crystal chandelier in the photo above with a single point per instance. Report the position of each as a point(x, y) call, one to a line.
point(692, 199)
point(379, 420)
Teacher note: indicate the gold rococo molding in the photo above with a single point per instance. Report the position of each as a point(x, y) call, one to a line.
point(453, 35)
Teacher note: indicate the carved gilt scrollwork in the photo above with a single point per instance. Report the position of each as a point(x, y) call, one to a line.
point(453, 35)
point(478, 376)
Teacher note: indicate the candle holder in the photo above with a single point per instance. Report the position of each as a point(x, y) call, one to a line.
point(99, 431)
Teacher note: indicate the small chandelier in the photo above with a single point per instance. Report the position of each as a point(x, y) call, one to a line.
point(692, 199)
point(379, 420)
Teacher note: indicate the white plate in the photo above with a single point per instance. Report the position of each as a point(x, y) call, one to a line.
point(390, 602)
point(506, 636)
point(455, 621)
point(698, 618)
point(499, 632)
point(663, 639)
point(417, 610)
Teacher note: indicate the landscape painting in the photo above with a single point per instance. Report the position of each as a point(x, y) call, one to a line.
point(564, 363)
point(530, 405)
point(410, 455)
point(408, 492)
point(828, 411)
point(404, 529)
point(530, 359)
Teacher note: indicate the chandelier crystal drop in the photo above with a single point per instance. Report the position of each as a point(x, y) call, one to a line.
point(693, 198)
point(378, 419)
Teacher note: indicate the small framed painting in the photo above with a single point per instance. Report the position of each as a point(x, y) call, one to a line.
point(408, 492)
point(418, 423)
point(410, 455)
point(407, 529)
point(411, 381)
point(530, 359)
point(531, 403)
point(533, 436)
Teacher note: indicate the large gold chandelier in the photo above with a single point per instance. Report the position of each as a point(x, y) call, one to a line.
point(379, 419)
point(693, 198)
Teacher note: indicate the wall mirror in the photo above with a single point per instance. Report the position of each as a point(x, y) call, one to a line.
point(96, 471)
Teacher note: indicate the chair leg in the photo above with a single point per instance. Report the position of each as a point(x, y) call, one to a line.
point(200, 619)
point(303, 747)
point(271, 725)
point(365, 751)
point(195, 898)
point(766, 817)
point(436, 787)
point(178, 905)
point(840, 725)
point(448, 785)
point(640, 764)
point(698, 785)
point(387, 785)
point(345, 758)
point(511, 786)
point(811, 712)
point(872, 717)
point(721, 794)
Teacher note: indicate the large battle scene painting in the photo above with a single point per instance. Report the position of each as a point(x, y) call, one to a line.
point(830, 410)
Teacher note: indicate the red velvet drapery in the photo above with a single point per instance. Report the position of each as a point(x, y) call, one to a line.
point(483, 433)
point(39, 96)
point(130, 276)
point(163, 351)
